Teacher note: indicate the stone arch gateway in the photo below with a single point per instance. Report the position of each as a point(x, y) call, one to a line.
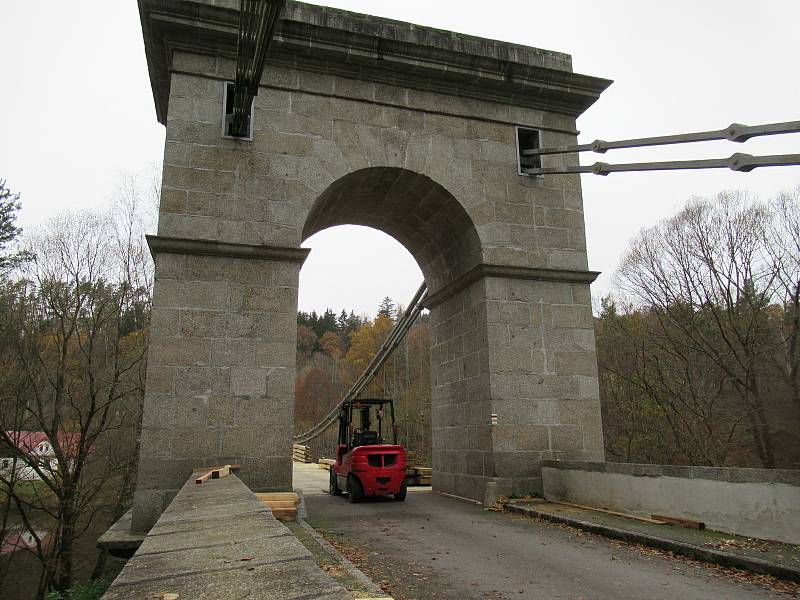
point(406, 129)
point(421, 214)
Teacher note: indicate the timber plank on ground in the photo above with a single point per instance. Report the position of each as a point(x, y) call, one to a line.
point(282, 504)
point(680, 521)
point(417, 475)
point(301, 453)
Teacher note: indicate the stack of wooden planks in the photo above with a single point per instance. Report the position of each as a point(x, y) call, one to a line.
point(418, 475)
point(415, 475)
point(283, 504)
point(301, 453)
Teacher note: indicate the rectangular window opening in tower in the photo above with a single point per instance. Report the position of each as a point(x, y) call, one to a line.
point(227, 115)
point(527, 139)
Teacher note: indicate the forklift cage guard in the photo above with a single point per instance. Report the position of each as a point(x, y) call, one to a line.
point(348, 433)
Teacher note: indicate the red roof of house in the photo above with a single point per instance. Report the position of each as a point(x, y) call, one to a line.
point(28, 441)
point(19, 539)
point(14, 541)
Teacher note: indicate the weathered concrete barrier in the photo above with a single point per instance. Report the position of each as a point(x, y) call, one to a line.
point(763, 503)
point(217, 541)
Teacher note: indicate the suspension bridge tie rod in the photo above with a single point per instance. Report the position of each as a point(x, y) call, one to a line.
point(736, 132)
point(738, 162)
point(257, 22)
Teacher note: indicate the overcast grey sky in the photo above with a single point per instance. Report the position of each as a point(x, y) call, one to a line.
point(77, 111)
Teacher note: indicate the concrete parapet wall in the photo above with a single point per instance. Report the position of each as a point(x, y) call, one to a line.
point(762, 503)
point(218, 541)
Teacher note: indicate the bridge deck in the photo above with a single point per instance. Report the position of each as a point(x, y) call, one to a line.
point(216, 540)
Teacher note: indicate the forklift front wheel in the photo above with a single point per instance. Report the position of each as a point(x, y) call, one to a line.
point(355, 493)
point(334, 485)
point(401, 495)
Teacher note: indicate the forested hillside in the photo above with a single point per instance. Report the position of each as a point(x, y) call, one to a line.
point(74, 330)
point(699, 353)
point(332, 351)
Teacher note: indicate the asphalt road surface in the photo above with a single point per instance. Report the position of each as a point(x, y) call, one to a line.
point(431, 546)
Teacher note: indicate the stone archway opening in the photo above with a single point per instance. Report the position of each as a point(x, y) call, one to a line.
point(412, 208)
point(352, 277)
point(428, 221)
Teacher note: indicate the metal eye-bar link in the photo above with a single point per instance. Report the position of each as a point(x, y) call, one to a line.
point(257, 21)
point(737, 162)
point(736, 132)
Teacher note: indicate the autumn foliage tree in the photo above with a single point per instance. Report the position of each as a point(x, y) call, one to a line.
point(699, 364)
point(306, 341)
point(314, 395)
point(10, 204)
point(341, 354)
point(365, 343)
point(331, 344)
point(73, 357)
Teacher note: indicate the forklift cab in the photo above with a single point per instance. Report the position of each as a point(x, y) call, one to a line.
point(362, 423)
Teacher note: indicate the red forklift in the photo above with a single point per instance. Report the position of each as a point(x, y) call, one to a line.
point(366, 465)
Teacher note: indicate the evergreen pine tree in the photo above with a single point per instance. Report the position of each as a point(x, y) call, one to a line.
point(9, 232)
point(387, 308)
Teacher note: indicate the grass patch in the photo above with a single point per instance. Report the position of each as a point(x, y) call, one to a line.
point(28, 490)
point(92, 590)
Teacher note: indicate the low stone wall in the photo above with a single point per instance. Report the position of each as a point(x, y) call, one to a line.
point(762, 503)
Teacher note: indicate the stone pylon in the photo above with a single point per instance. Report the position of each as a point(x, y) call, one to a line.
point(410, 130)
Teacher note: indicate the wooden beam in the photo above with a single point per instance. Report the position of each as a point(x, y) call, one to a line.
point(215, 473)
point(203, 478)
point(655, 520)
point(681, 522)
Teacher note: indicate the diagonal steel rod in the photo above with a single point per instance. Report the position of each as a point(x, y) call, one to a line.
point(735, 132)
point(736, 162)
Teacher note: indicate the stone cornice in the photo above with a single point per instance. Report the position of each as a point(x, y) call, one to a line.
point(483, 270)
point(338, 42)
point(168, 245)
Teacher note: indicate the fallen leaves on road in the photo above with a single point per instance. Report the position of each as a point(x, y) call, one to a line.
point(360, 558)
point(726, 544)
point(333, 570)
point(781, 586)
point(769, 582)
point(757, 545)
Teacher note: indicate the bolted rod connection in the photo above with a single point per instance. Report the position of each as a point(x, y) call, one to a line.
point(743, 163)
point(736, 132)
